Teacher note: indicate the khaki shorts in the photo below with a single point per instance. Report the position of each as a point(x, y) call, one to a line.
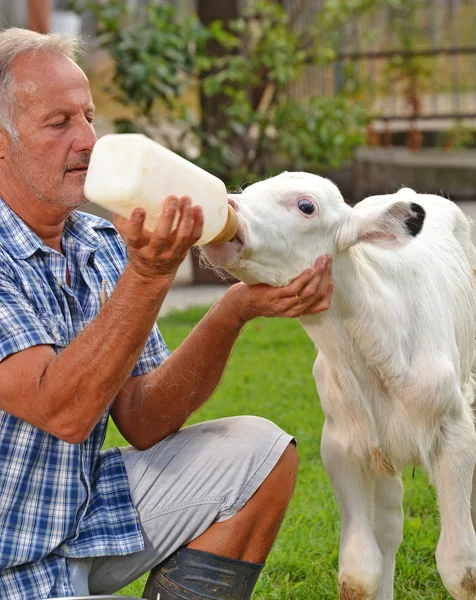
point(200, 475)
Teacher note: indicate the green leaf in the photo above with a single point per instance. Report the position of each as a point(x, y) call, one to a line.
point(157, 56)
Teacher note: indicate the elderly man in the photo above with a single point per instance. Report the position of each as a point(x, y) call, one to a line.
point(201, 506)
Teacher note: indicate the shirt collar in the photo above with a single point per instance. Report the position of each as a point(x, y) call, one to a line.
point(22, 242)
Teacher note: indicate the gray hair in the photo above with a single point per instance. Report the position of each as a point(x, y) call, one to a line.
point(16, 41)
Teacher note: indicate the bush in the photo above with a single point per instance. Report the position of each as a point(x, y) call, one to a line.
point(249, 127)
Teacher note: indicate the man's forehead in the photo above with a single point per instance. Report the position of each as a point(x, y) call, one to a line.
point(49, 81)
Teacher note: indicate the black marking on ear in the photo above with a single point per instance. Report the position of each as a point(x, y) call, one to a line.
point(414, 223)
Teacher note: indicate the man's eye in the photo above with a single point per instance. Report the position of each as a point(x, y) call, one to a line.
point(59, 125)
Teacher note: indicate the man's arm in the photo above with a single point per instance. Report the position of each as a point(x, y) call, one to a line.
point(152, 406)
point(66, 394)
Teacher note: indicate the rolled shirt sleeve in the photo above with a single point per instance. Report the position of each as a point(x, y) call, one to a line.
point(20, 325)
point(154, 353)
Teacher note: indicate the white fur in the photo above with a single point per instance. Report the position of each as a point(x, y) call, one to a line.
point(396, 355)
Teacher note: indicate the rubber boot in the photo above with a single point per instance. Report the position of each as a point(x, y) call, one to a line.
point(195, 575)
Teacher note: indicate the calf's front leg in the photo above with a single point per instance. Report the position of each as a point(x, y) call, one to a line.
point(452, 473)
point(473, 500)
point(388, 528)
point(360, 558)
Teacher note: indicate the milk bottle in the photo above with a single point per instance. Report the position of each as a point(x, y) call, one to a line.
point(130, 170)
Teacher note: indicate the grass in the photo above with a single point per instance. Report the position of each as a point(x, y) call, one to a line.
point(269, 375)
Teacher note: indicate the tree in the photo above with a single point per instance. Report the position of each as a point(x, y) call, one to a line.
point(258, 130)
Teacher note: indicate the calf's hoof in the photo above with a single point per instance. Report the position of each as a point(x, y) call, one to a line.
point(468, 584)
point(461, 588)
point(352, 589)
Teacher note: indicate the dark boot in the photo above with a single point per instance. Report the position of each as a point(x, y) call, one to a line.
point(196, 575)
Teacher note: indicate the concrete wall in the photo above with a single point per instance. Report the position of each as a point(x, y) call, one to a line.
point(451, 173)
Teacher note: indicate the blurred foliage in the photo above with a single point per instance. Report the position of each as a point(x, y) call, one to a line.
point(414, 72)
point(153, 56)
point(249, 127)
point(259, 130)
point(458, 137)
point(404, 72)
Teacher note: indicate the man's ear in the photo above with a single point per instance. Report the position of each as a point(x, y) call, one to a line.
point(389, 226)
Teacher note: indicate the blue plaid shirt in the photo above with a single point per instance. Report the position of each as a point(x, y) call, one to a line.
point(59, 500)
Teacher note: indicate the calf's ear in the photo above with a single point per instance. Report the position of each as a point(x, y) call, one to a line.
point(388, 226)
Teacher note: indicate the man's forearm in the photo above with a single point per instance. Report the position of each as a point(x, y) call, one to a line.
point(82, 381)
point(152, 406)
point(162, 400)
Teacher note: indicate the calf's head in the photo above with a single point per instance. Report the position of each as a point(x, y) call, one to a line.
point(287, 221)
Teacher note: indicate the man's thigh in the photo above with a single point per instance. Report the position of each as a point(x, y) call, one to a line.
point(201, 475)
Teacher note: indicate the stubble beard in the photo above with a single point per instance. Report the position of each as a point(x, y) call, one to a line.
point(19, 161)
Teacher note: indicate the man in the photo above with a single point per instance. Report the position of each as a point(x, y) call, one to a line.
point(203, 504)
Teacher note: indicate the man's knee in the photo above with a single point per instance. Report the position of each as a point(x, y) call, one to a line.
point(253, 425)
point(251, 436)
point(283, 477)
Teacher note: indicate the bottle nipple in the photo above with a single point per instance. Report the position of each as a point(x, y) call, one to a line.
point(230, 229)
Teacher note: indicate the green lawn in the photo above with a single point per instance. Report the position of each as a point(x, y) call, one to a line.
point(269, 375)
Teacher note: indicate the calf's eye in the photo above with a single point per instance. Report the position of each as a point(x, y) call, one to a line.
point(306, 206)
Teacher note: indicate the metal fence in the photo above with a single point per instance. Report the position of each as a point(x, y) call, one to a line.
point(424, 67)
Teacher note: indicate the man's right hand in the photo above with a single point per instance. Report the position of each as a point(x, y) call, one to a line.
point(158, 254)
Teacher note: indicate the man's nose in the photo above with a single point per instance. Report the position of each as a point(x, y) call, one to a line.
point(85, 137)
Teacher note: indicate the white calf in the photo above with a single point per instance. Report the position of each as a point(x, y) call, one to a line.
point(396, 353)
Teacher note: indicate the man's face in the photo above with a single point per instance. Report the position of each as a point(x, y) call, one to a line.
point(53, 117)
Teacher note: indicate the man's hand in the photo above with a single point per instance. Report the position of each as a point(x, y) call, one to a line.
point(308, 294)
point(159, 254)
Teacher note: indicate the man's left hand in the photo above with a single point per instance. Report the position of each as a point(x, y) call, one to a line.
point(308, 294)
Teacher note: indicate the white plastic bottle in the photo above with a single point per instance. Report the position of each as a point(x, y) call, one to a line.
point(130, 170)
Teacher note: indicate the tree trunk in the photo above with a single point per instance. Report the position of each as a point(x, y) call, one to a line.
point(208, 12)
point(213, 11)
point(39, 15)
